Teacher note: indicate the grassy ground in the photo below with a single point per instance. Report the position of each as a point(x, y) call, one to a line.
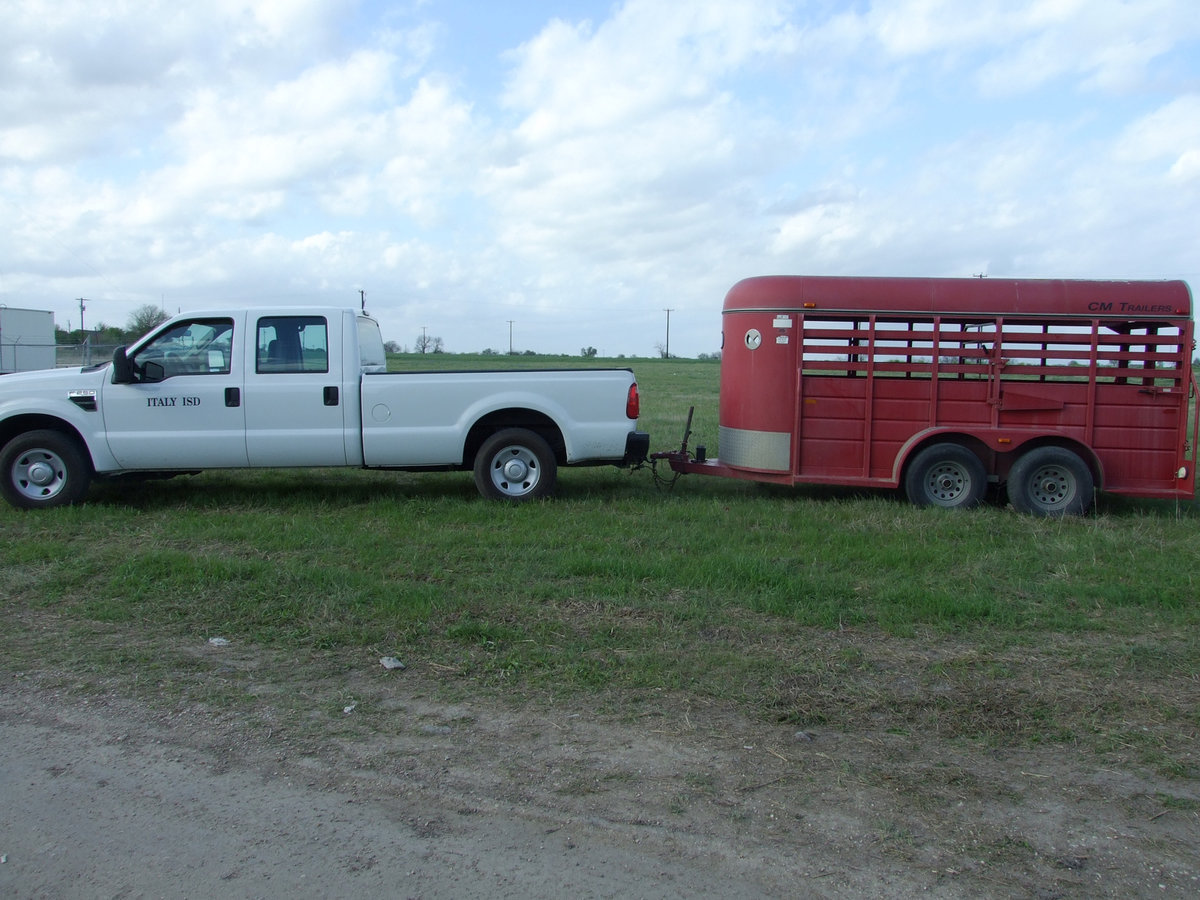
point(813, 607)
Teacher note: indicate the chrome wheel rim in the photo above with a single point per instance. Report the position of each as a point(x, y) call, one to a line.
point(947, 482)
point(1052, 486)
point(515, 471)
point(39, 474)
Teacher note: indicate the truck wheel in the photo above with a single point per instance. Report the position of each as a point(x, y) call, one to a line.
point(946, 475)
point(41, 469)
point(1051, 481)
point(515, 464)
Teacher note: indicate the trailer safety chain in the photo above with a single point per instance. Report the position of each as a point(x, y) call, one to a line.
point(663, 484)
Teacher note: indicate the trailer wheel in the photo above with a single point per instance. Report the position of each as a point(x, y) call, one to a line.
point(515, 464)
point(1051, 481)
point(41, 469)
point(946, 475)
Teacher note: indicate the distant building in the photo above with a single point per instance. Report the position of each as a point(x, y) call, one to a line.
point(26, 340)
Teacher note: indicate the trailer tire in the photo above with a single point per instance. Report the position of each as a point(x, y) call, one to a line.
point(946, 475)
point(1051, 481)
point(516, 465)
point(42, 469)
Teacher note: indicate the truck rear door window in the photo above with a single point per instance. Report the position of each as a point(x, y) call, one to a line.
point(292, 344)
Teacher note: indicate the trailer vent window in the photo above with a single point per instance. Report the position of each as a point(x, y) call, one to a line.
point(889, 347)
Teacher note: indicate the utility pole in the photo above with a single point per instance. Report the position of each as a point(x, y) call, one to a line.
point(81, 309)
point(667, 354)
point(510, 325)
point(424, 341)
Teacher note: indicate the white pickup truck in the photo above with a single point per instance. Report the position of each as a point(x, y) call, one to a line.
point(302, 387)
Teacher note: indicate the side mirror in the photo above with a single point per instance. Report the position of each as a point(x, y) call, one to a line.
point(122, 367)
point(153, 373)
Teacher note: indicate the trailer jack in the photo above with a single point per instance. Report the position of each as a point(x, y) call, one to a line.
point(677, 459)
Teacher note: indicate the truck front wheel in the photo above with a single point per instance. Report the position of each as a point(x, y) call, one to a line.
point(41, 469)
point(515, 464)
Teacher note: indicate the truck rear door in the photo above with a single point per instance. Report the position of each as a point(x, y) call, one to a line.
point(295, 397)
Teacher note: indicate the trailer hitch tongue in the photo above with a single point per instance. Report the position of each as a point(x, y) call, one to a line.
point(680, 455)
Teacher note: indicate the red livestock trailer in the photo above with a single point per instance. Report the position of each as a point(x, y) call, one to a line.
point(1051, 388)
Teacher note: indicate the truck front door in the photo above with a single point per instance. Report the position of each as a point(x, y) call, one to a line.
point(181, 408)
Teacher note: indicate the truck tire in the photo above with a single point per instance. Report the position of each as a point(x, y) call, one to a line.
point(1051, 481)
point(946, 475)
point(41, 469)
point(515, 464)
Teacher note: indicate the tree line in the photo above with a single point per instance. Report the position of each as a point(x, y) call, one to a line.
point(141, 320)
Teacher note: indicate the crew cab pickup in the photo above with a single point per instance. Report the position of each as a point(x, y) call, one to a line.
point(302, 387)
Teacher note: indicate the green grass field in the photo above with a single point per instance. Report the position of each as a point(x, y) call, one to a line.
point(809, 606)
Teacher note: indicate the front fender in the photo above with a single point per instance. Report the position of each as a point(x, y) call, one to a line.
point(45, 401)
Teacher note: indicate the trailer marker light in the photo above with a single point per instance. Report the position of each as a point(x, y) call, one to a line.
point(810, 305)
point(1003, 440)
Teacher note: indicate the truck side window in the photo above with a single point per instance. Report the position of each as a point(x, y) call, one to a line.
point(292, 344)
point(198, 347)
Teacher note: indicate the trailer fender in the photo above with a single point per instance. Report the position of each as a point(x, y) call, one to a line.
point(923, 439)
point(1004, 462)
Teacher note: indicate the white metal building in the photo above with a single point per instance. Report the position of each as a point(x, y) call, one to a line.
point(26, 340)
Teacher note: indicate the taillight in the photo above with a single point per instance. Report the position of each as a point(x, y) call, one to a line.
point(633, 403)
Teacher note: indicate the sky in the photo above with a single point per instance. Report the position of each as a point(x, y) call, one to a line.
point(551, 176)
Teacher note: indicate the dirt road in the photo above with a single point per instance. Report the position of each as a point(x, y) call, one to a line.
point(395, 794)
point(103, 809)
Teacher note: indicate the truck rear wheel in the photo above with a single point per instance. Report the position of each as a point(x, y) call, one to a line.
point(1051, 481)
point(946, 475)
point(515, 464)
point(41, 469)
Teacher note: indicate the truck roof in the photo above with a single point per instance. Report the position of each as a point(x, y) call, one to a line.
point(299, 309)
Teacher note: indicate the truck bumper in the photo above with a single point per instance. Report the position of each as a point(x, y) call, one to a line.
point(637, 447)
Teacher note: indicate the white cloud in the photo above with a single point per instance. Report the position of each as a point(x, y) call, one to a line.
point(1170, 134)
point(1187, 167)
point(628, 144)
point(820, 231)
point(83, 78)
point(579, 78)
point(1015, 47)
point(336, 133)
